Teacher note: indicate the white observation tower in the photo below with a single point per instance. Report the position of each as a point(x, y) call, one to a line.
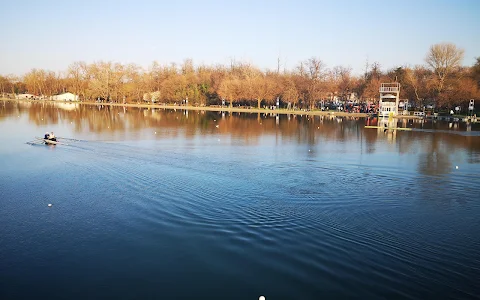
point(389, 99)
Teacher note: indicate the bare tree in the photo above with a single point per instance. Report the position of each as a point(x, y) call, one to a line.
point(443, 59)
point(371, 91)
point(76, 74)
point(314, 72)
point(341, 78)
point(462, 90)
point(230, 89)
point(263, 89)
point(316, 68)
point(3, 85)
point(375, 72)
point(187, 66)
point(416, 83)
point(100, 82)
point(290, 92)
point(475, 70)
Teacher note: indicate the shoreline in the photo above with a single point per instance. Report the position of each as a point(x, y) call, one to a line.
point(215, 108)
point(205, 108)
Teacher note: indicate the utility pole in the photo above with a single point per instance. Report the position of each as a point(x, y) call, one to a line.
point(278, 65)
point(366, 68)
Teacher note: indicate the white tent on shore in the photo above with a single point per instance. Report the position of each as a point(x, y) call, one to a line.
point(65, 97)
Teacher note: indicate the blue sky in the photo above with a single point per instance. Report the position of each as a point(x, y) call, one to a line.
point(53, 34)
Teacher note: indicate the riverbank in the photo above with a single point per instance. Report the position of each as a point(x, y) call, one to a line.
point(212, 108)
point(219, 108)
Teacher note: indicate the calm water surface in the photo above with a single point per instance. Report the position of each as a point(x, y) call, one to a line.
point(155, 204)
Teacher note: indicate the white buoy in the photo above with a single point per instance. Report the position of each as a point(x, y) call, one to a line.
point(261, 298)
point(216, 126)
point(456, 167)
point(49, 205)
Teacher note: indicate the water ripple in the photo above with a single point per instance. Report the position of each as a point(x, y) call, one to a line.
point(319, 225)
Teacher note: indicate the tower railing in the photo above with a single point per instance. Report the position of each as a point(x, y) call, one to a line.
point(390, 87)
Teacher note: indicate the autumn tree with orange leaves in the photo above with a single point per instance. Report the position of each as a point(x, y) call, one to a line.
point(442, 80)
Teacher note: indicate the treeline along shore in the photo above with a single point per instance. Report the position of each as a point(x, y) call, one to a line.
point(442, 82)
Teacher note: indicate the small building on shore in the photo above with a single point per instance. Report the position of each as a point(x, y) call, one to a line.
point(389, 99)
point(65, 97)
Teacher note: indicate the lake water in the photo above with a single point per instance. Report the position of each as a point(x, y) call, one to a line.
point(155, 204)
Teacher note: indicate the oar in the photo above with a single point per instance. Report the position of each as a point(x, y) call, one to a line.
point(60, 143)
point(70, 139)
point(42, 140)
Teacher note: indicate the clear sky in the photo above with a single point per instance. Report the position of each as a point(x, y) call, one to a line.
point(52, 34)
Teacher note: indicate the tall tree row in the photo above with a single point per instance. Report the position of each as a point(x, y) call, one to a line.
point(442, 81)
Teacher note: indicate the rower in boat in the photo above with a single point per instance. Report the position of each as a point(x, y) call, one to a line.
point(47, 135)
point(52, 137)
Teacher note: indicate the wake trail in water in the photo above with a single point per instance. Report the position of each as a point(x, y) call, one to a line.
point(243, 209)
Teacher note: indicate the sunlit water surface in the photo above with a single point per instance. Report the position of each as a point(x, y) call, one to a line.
point(155, 204)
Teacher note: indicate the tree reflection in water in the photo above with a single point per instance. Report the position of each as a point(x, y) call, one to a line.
point(434, 147)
